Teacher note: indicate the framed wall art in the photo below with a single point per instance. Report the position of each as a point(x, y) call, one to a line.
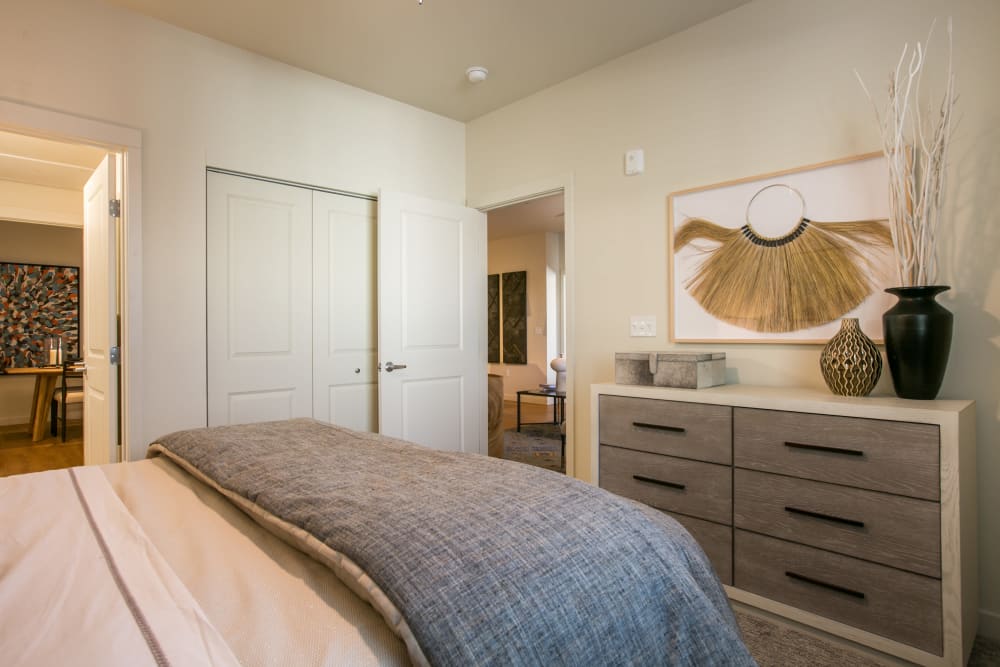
point(514, 297)
point(37, 302)
point(493, 318)
point(782, 257)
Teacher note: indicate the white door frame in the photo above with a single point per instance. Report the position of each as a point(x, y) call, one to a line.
point(127, 141)
point(534, 190)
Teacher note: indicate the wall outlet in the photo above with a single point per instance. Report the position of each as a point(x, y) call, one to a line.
point(642, 325)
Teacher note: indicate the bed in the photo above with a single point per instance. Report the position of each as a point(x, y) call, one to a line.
point(303, 543)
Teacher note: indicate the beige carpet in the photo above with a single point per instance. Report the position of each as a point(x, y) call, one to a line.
point(777, 645)
point(774, 645)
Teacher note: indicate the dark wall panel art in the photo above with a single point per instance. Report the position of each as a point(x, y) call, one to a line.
point(515, 317)
point(37, 302)
point(493, 318)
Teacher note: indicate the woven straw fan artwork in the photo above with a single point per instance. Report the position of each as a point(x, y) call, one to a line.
point(812, 275)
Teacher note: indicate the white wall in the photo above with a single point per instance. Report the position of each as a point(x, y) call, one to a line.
point(197, 103)
point(525, 253)
point(39, 203)
point(554, 272)
point(765, 87)
point(28, 243)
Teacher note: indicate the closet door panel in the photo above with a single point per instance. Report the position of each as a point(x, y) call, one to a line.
point(353, 406)
point(259, 299)
point(345, 329)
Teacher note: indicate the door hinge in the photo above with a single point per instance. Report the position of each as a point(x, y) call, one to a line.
point(116, 355)
point(115, 208)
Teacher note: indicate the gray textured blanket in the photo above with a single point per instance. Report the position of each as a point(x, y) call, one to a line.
point(489, 562)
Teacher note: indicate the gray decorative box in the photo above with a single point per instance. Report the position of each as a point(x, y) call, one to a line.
point(688, 370)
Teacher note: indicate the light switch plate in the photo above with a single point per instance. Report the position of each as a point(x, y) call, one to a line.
point(642, 325)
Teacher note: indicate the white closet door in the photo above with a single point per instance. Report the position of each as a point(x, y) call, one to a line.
point(432, 334)
point(259, 301)
point(345, 381)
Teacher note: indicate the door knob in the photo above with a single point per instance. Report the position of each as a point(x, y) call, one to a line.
point(390, 367)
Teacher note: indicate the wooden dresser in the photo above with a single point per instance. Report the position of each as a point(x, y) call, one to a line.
point(856, 516)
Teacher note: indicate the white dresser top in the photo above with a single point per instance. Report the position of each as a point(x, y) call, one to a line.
point(798, 399)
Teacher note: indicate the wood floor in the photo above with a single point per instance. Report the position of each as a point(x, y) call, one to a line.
point(18, 454)
point(530, 412)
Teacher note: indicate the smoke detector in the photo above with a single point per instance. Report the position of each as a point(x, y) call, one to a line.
point(476, 74)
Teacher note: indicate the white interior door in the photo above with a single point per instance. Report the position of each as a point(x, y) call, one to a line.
point(259, 298)
point(432, 338)
point(345, 382)
point(100, 327)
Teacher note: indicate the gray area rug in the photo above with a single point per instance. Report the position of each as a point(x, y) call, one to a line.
point(777, 645)
point(537, 444)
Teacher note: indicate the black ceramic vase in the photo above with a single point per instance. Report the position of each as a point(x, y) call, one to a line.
point(917, 340)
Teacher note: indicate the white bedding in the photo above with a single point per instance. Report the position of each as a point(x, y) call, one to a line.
point(81, 584)
point(221, 587)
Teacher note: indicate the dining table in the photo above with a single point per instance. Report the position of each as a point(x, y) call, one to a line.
point(45, 385)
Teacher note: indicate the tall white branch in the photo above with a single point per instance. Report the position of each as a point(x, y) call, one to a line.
point(916, 150)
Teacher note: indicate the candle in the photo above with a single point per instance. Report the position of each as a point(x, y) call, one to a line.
point(52, 357)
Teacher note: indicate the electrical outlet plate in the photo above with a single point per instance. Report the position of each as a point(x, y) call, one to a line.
point(642, 325)
point(635, 162)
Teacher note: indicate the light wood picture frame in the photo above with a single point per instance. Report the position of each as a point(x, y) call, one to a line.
point(795, 213)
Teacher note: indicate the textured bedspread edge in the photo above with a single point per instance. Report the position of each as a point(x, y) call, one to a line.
point(343, 567)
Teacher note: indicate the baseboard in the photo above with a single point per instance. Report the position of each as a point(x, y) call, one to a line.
point(14, 421)
point(989, 624)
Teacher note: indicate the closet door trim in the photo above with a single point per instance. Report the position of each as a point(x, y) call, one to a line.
point(294, 184)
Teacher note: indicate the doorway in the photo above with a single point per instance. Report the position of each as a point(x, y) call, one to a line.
point(42, 236)
point(526, 251)
point(118, 149)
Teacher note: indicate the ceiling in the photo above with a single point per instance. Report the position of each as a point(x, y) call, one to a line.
point(54, 164)
point(544, 214)
point(418, 53)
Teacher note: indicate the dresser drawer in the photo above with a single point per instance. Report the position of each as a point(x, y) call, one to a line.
point(899, 605)
point(892, 530)
point(702, 490)
point(715, 540)
point(690, 430)
point(896, 457)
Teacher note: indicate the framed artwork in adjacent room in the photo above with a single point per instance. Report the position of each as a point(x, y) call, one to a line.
point(514, 296)
point(493, 318)
point(37, 302)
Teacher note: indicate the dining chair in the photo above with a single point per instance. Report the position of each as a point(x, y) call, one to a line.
point(69, 392)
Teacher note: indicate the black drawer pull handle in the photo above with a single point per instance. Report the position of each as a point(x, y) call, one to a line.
point(659, 427)
point(833, 587)
point(822, 448)
point(672, 485)
point(826, 517)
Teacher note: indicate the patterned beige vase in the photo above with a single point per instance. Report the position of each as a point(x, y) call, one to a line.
point(850, 362)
